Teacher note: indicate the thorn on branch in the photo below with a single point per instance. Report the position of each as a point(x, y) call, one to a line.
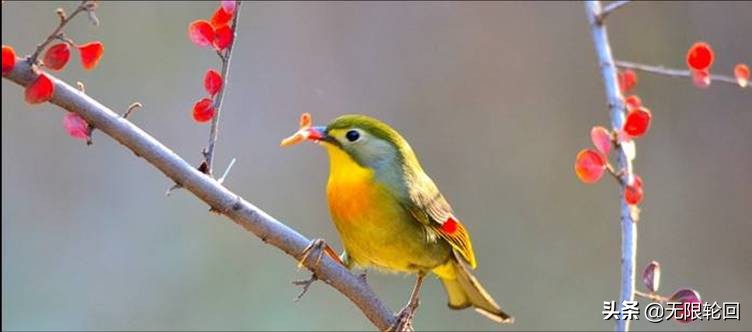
point(93, 17)
point(60, 13)
point(173, 188)
point(134, 106)
point(608, 9)
point(227, 171)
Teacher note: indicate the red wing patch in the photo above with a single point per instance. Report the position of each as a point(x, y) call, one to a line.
point(453, 231)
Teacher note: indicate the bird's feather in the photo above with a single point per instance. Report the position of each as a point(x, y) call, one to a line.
point(429, 207)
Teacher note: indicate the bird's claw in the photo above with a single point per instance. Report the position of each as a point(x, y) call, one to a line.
point(305, 284)
point(404, 321)
point(322, 248)
point(317, 244)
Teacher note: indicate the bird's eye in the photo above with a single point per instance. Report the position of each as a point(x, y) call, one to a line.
point(352, 135)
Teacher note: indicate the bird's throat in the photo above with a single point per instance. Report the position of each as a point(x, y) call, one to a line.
point(351, 188)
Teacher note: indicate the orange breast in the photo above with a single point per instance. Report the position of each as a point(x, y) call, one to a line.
point(351, 200)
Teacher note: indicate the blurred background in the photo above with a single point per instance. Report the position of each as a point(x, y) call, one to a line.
point(496, 98)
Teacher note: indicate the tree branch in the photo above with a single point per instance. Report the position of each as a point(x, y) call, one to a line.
point(661, 70)
point(85, 5)
point(608, 9)
point(214, 133)
point(617, 110)
point(210, 191)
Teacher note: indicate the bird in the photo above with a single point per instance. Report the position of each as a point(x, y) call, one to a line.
point(391, 216)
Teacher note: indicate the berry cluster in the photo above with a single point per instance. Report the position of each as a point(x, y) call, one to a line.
point(590, 164)
point(217, 34)
point(700, 57)
point(55, 58)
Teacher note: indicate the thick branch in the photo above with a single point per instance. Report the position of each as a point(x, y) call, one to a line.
point(661, 70)
point(210, 191)
point(616, 108)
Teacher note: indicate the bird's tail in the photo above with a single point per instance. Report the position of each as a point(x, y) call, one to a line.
point(464, 290)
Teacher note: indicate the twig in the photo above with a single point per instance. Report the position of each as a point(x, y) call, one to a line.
point(134, 106)
point(661, 70)
point(214, 132)
point(608, 9)
point(652, 297)
point(614, 173)
point(617, 110)
point(57, 33)
point(242, 212)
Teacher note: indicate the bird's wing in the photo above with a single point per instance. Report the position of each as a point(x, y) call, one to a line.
point(429, 207)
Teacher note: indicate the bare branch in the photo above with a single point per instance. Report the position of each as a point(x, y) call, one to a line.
point(210, 191)
point(608, 9)
point(652, 297)
point(214, 133)
point(57, 33)
point(661, 70)
point(617, 110)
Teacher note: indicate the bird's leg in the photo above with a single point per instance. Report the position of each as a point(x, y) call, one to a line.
point(323, 248)
point(404, 320)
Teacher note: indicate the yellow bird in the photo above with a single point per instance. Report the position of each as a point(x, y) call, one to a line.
point(390, 215)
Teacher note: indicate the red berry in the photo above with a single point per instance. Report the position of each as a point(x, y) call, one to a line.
point(688, 298)
point(76, 126)
point(701, 78)
point(220, 18)
point(632, 102)
point(201, 33)
point(637, 122)
point(40, 91)
point(633, 192)
point(741, 72)
point(212, 82)
point(589, 165)
point(601, 138)
point(9, 59)
point(90, 54)
point(223, 38)
point(627, 80)
point(700, 56)
point(57, 56)
point(203, 110)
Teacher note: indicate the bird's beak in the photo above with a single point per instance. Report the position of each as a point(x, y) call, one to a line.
point(314, 134)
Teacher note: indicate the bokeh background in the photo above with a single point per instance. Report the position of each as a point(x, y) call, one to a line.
point(496, 98)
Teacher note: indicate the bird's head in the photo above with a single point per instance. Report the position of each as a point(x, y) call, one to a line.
point(367, 141)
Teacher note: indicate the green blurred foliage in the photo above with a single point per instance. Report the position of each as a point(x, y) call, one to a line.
point(496, 98)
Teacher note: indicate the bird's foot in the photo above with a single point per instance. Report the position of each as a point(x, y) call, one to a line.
point(363, 277)
point(321, 247)
point(405, 317)
point(305, 284)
